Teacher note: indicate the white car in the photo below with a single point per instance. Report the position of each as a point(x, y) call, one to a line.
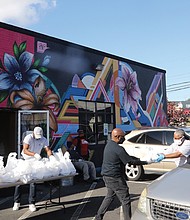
point(143, 142)
point(167, 197)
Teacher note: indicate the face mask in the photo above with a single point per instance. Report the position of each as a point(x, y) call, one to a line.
point(177, 142)
point(121, 140)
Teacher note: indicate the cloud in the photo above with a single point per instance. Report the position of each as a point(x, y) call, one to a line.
point(24, 12)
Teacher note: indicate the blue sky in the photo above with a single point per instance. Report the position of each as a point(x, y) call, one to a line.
point(156, 33)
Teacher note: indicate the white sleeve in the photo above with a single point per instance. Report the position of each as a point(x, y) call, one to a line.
point(185, 148)
point(45, 142)
point(27, 139)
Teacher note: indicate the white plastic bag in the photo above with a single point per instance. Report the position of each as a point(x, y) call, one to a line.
point(11, 162)
point(68, 167)
point(2, 168)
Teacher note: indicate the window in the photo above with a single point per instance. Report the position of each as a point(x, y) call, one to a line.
point(138, 139)
point(154, 137)
point(169, 137)
point(94, 118)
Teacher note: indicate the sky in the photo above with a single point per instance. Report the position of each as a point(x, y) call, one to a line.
point(156, 33)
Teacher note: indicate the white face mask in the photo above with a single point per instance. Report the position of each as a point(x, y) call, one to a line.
point(178, 142)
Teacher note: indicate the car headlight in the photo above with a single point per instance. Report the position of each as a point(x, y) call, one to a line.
point(143, 201)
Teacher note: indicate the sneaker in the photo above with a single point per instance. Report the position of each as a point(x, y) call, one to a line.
point(16, 206)
point(32, 207)
point(88, 181)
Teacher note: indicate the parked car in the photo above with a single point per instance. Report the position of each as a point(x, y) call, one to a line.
point(142, 142)
point(167, 197)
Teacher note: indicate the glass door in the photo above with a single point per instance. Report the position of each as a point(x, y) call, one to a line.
point(27, 120)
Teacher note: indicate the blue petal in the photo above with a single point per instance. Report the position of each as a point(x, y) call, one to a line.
point(22, 86)
point(5, 82)
point(11, 64)
point(46, 60)
point(33, 74)
point(25, 61)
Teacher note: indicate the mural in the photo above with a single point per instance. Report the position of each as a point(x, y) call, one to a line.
point(38, 73)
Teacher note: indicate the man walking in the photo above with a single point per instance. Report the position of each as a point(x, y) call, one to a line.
point(113, 170)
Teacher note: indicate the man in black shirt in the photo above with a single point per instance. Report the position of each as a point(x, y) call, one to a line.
point(114, 160)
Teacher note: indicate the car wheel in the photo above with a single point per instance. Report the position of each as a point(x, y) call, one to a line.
point(134, 172)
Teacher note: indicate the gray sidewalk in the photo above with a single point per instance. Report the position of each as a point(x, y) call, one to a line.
point(81, 201)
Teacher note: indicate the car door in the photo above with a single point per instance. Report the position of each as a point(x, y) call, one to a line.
point(168, 164)
point(154, 142)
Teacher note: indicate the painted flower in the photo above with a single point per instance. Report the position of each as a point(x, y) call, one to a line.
point(23, 99)
point(129, 85)
point(18, 73)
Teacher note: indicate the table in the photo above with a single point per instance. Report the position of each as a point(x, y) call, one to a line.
point(49, 180)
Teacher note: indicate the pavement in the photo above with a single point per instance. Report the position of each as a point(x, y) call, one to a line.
point(78, 201)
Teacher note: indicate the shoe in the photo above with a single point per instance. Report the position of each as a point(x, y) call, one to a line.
point(88, 181)
point(32, 207)
point(16, 206)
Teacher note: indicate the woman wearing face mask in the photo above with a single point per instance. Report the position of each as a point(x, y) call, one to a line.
point(114, 160)
point(180, 149)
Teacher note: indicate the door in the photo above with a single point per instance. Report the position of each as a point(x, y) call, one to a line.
point(8, 132)
point(28, 120)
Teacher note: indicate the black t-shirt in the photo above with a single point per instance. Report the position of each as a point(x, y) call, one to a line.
point(115, 158)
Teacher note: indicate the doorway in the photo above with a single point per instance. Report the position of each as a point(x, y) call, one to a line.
point(8, 132)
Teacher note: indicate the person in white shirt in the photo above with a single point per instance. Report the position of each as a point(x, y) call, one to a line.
point(180, 149)
point(32, 146)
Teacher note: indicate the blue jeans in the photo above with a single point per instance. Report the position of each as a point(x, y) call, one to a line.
point(115, 187)
point(32, 193)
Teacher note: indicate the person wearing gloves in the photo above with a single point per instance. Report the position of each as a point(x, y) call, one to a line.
point(180, 149)
point(32, 146)
point(113, 171)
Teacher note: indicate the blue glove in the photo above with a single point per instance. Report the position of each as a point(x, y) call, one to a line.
point(160, 158)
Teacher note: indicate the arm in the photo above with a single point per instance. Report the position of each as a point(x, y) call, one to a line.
point(173, 155)
point(26, 150)
point(126, 158)
point(48, 151)
point(138, 162)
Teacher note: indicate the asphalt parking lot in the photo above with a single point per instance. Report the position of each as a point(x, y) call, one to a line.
point(81, 201)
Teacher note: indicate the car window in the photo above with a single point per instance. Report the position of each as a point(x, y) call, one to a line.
point(138, 139)
point(169, 137)
point(154, 137)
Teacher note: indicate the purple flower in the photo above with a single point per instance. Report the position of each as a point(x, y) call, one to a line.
point(18, 75)
point(129, 85)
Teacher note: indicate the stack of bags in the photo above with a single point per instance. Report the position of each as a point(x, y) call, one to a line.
point(32, 169)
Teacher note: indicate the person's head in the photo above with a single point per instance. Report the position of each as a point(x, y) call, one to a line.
point(179, 135)
point(38, 132)
point(80, 132)
point(118, 135)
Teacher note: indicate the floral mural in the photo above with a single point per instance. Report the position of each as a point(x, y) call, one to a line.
point(23, 82)
point(129, 85)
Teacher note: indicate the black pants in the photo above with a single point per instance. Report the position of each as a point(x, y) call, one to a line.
point(115, 187)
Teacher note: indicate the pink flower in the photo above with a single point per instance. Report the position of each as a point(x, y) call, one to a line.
point(129, 85)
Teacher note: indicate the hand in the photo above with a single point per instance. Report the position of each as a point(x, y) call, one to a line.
point(149, 161)
point(52, 158)
point(37, 156)
point(160, 157)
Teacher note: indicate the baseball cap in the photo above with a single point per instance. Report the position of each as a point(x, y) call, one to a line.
point(38, 132)
point(80, 131)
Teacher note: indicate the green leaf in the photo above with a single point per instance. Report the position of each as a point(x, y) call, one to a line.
point(16, 50)
point(43, 69)
point(22, 47)
point(3, 95)
point(36, 63)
